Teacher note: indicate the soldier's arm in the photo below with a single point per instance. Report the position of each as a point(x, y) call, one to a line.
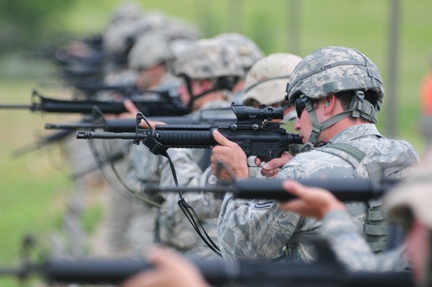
point(340, 231)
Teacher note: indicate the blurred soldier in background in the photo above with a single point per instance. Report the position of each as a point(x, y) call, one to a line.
point(152, 58)
point(138, 48)
point(79, 153)
point(248, 53)
point(266, 82)
point(209, 70)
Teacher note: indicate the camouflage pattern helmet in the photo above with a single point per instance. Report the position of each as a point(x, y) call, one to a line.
point(125, 11)
point(333, 69)
point(248, 51)
point(207, 59)
point(115, 38)
point(151, 49)
point(267, 79)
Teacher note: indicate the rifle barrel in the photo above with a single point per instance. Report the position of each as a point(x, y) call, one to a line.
point(345, 189)
point(49, 126)
point(218, 272)
point(15, 106)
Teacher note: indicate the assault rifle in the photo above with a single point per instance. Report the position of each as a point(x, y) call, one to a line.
point(210, 116)
point(253, 132)
point(345, 189)
point(90, 88)
point(155, 104)
point(326, 271)
point(43, 141)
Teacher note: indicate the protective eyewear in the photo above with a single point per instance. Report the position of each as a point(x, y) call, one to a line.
point(299, 106)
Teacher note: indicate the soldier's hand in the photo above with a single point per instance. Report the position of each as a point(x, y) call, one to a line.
point(133, 111)
point(271, 168)
point(311, 201)
point(170, 270)
point(231, 155)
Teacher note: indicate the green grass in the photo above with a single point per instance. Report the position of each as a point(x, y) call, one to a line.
point(34, 188)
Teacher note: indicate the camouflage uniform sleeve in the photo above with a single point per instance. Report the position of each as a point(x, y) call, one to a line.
point(351, 248)
point(347, 241)
point(253, 229)
point(189, 173)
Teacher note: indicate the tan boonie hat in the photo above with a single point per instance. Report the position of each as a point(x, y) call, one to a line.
point(267, 79)
point(413, 195)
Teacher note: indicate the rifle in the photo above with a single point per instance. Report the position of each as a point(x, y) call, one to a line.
point(253, 132)
point(158, 104)
point(50, 139)
point(344, 189)
point(210, 116)
point(92, 87)
point(326, 271)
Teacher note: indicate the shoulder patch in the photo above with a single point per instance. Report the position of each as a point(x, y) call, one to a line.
point(263, 204)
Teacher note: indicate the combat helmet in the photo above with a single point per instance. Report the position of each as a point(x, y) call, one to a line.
point(331, 70)
point(267, 78)
point(248, 52)
point(125, 11)
point(150, 49)
point(208, 59)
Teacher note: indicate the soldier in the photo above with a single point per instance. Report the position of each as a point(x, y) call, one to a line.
point(151, 57)
point(407, 205)
point(248, 53)
point(265, 76)
point(337, 93)
point(209, 71)
point(265, 82)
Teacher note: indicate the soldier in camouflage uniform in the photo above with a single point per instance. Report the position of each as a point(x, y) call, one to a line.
point(133, 218)
point(337, 93)
point(151, 57)
point(407, 205)
point(265, 82)
point(248, 53)
point(209, 71)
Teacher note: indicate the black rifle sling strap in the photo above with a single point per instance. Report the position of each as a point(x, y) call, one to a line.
point(158, 149)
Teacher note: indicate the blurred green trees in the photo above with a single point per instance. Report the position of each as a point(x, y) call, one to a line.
point(26, 23)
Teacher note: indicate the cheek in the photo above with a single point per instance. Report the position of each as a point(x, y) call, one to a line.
point(183, 93)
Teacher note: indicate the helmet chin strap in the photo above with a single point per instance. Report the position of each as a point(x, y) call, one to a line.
point(193, 97)
point(355, 110)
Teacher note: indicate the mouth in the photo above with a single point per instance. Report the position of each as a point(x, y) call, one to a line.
point(302, 138)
